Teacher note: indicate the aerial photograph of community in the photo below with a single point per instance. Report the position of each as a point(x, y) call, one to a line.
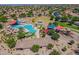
point(39, 29)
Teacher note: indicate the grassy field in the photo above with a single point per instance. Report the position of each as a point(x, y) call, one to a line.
point(65, 24)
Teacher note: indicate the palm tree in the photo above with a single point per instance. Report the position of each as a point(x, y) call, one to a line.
point(54, 52)
point(33, 20)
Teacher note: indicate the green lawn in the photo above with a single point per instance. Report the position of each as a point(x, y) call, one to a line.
point(65, 24)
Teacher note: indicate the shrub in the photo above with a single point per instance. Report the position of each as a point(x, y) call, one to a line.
point(35, 48)
point(78, 45)
point(55, 36)
point(71, 22)
point(50, 32)
point(30, 14)
point(10, 41)
point(52, 17)
point(50, 46)
point(13, 15)
point(74, 18)
point(3, 19)
point(64, 17)
point(22, 15)
point(50, 23)
point(54, 52)
point(21, 34)
point(71, 42)
point(43, 34)
point(55, 23)
point(1, 26)
point(76, 52)
point(64, 48)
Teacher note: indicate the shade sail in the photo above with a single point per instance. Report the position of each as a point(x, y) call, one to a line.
point(59, 27)
point(46, 30)
point(12, 22)
point(52, 26)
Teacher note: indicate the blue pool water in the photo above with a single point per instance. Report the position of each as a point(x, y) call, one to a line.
point(29, 27)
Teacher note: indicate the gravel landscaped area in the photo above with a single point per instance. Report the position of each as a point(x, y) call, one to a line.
point(26, 44)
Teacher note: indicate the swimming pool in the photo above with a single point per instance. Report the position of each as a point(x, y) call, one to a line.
point(28, 27)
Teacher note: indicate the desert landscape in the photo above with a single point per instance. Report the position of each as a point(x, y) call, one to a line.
point(39, 29)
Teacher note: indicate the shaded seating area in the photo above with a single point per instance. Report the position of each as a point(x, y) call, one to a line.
point(59, 28)
point(51, 26)
point(62, 30)
point(46, 30)
point(14, 22)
